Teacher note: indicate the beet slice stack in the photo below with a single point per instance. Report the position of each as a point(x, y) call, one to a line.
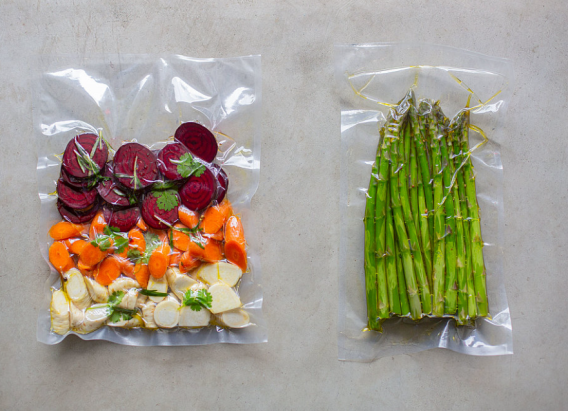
point(153, 211)
point(198, 192)
point(223, 182)
point(75, 198)
point(110, 191)
point(77, 159)
point(77, 216)
point(135, 166)
point(171, 152)
point(123, 219)
point(200, 141)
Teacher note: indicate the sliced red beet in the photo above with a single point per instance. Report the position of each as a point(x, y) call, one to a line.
point(110, 191)
point(131, 158)
point(77, 159)
point(200, 141)
point(171, 152)
point(73, 197)
point(124, 218)
point(223, 182)
point(155, 208)
point(77, 216)
point(74, 181)
point(198, 192)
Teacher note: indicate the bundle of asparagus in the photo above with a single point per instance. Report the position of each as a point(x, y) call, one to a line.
point(423, 245)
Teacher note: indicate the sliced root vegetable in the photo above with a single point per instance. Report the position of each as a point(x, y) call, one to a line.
point(235, 318)
point(74, 181)
point(160, 206)
point(127, 268)
point(229, 274)
point(141, 224)
point(159, 261)
point(142, 274)
point(77, 246)
point(180, 239)
point(64, 230)
point(200, 141)
point(129, 299)
point(235, 244)
point(91, 255)
point(198, 192)
point(187, 217)
point(75, 198)
point(123, 219)
point(188, 262)
point(136, 240)
point(84, 268)
point(94, 318)
point(110, 191)
point(76, 289)
point(175, 257)
point(77, 316)
point(179, 283)
point(108, 271)
point(158, 284)
point(213, 251)
point(166, 314)
point(97, 225)
point(224, 298)
point(77, 159)
point(135, 166)
point(171, 152)
point(148, 314)
point(141, 300)
point(222, 182)
point(59, 256)
point(194, 319)
point(218, 236)
point(135, 321)
point(59, 310)
point(77, 216)
point(123, 284)
point(215, 217)
point(98, 293)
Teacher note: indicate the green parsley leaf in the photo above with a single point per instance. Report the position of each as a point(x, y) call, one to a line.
point(152, 293)
point(187, 165)
point(102, 241)
point(115, 298)
point(197, 299)
point(116, 313)
point(134, 254)
point(167, 200)
point(120, 243)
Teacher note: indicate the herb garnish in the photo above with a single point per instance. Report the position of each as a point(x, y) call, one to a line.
point(152, 293)
point(167, 200)
point(115, 312)
point(197, 299)
point(111, 237)
point(187, 165)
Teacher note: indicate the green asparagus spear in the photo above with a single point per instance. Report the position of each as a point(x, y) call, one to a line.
point(404, 305)
point(392, 278)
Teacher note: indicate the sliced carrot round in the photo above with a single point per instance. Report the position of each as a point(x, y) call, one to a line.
point(108, 271)
point(59, 256)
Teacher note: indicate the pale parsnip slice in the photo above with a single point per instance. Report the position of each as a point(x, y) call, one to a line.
point(190, 318)
point(129, 299)
point(166, 314)
point(158, 284)
point(59, 309)
point(224, 298)
point(94, 318)
point(178, 282)
point(235, 318)
point(135, 321)
point(141, 300)
point(76, 289)
point(98, 293)
point(148, 314)
point(122, 284)
point(77, 316)
point(225, 272)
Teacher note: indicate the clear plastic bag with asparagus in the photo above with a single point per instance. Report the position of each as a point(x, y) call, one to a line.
point(423, 268)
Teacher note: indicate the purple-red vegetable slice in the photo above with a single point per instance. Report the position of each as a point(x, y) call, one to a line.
point(198, 192)
point(200, 141)
point(135, 166)
point(73, 197)
point(110, 191)
point(77, 216)
point(74, 181)
point(156, 208)
point(124, 218)
point(223, 182)
point(79, 159)
point(171, 152)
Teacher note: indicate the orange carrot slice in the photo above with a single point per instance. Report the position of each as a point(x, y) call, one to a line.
point(91, 255)
point(235, 244)
point(97, 225)
point(77, 246)
point(187, 217)
point(215, 217)
point(188, 262)
point(175, 258)
point(181, 240)
point(212, 251)
point(127, 267)
point(142, 274)
point(219, 235)
point(136, 240)
point(108, 271)
point(59, 256)
point(159, 261)
point(64, 230)
point(70, 264)
point(141, 224)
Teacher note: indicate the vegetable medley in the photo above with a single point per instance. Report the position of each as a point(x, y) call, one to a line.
point(146, 239)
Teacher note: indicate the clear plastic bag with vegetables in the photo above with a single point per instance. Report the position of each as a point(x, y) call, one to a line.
point(421, 201)
point(146, 171)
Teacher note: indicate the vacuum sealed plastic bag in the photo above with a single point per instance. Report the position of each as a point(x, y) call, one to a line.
point(146, 169)
point(421, 201)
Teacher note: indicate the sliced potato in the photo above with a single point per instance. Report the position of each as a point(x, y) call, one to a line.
point(158, 284)
point(235, 318)
point(98, 293)
point(225, 272)
point(76, 289)
point(224, 298)
point(59, 309)
point(166, 314)
point(190, 318)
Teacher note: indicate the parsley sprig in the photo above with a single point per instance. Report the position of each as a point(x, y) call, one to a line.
point(111, 237)
point(187, 165)
point(115, 312)
point(167, 199)
point(197, 299)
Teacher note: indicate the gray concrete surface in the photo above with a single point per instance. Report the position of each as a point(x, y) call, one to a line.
point(298, 368)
